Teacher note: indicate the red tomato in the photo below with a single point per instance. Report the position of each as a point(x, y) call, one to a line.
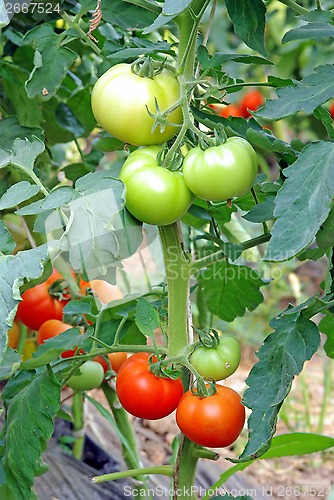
point(102, 289)
point(52, 328)
point(251, 101)
point(331, 109)
point(214, 421)
point(143, 394)
point(116, 359)
point(38, 306)
point(226, 110)
point(13, 336)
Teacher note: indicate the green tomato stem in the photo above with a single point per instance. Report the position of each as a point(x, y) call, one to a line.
point(185, 470)
point(177, 273)
point(78, 425)
point(22, 338)
point(294, 6)
point(164, 470)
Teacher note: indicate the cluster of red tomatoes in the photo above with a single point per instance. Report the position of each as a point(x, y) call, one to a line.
point(154, 194)
point(41, 310)
point(214, 420)
point(251, 101)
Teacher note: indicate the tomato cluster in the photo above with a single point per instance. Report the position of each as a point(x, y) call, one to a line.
point(130, 106)
point(251, 101)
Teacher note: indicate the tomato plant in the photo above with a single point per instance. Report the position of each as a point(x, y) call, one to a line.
point(143, 394)
point(89, 376)
point(221, 172)
point(217, 362)
point(154, 195)
point(215, 421)
point(121, 97)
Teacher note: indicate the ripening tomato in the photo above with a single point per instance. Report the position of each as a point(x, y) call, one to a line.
point(215, 421)
point(226, 110)
point(38, 305)
point(122, 101)
point(331, 109)
point(89, 376)
point(143, 394)
point(13, 335)
point(217, 362)
point(154, 195)
point(116, 359)
point(52, 328)
point(105, 292)
point(252, 101)
point(221, 172)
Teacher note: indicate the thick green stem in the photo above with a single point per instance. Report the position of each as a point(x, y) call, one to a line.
point(185, 471)
point(294, 6)
point(78, 425)
point(177, 274)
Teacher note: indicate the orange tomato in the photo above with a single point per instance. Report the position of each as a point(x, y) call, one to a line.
point(116, 359)
point(104, 291)
point(13, 336)
point(226, 110)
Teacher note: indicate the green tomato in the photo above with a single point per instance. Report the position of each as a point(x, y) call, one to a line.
point(221, 172)
point(154, 195)
point(217, 362)
point(122, 100)
point(89, 376)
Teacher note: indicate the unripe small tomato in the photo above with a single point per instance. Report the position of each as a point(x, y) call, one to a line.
point(89, 376)
point(217, 362)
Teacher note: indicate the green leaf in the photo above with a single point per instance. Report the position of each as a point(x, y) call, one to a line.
point(128, 16)
point(68, 120)
point(31, 402)
point(325, 235)
point(4, 19)
point(58, 197)
point(229, 290)
point(10, 129)
point(9, 363)
point(146, 317)
point(80, 105)
point(160, 21)
point(13, 271)
point(305, 96)
point(262, 212)
point(303, 202)
point(26, 152)
point(326, 326)
point(311, 31)
point(51, 62)
point(220, 58)
point(54, 347)
point(283, 445)
point(248, 18)
point(281, 358)
point(28, 111)
point(7, 244)
point(138, 47)
point(175, 7)
point(97, 233)
point(18, 193)
point(322, 114)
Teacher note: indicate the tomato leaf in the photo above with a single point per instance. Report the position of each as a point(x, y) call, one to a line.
point(281, 358)
point(303, 202)
point(322, 114)
point(53, 347)
point(10, 129)
point(229, 290)
point(262, 212)
point(18, 193)
point(248, 18)
point(14, 269)
point(146, 317)
point(31, 401)
point(310, 31)
point(51, 62)
point(220, 58)
point(326, 326)
point(7, 244)
point(305, 96)
point(129, 16)
point(68, 120)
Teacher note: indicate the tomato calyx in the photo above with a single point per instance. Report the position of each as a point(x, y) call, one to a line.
point(208, 337)
point(59, 290)
point(143, 67)
point(162, 367)
point(203, 388)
